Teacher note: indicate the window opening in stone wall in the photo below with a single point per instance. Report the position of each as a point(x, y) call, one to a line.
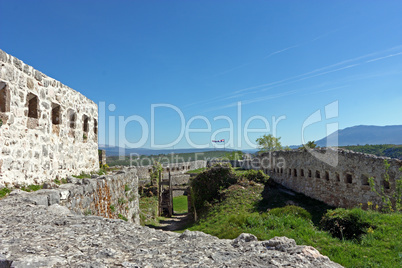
point(327, 175)
point(72, 117)
point(85, 120)
point(282, 170)
point(302, 172)
point(32, 106)
point(295, 172)
point(290, 171)
point(56, 119)
point(309, 173)
point(386, 184)
point(364, 179)
point(96, 127)
point(338, 178)
point(349, 178)
point(4, 97)
point(317, 174)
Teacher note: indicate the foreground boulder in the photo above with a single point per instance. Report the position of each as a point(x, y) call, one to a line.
point(35, 235)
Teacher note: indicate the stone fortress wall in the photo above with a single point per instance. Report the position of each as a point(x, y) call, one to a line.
point(342, 185)
point(48, 130)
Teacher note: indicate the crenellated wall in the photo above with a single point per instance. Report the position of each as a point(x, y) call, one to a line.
point(342, 185)
point(47, 129)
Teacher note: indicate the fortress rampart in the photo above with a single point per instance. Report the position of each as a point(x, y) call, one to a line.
point(342, 185)
point(48, 130)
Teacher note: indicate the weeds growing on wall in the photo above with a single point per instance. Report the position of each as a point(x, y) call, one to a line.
point(386, 197)
point(154, 174)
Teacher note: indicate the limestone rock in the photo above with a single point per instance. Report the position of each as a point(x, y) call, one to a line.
point(52, 236)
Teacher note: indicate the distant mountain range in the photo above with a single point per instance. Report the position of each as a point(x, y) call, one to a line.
point(357, 135)
point(114, 150)
point(361, 135)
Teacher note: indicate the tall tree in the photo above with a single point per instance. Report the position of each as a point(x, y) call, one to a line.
point(268, 143)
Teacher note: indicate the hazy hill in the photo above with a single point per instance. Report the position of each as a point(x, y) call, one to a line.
point(114, 150)
point(361, 135)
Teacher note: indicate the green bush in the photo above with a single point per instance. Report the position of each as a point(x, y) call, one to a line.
point(345, 223)
point(255, 175)
point(207, 185)
point(291, 210)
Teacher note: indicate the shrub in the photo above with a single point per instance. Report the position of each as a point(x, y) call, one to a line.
point(255, 175)
point(291, 210)
point(345, 223)
point(207, 185)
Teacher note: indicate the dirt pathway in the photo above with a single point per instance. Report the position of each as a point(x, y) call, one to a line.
point(177, 222)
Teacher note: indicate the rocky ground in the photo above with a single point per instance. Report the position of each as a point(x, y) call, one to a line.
point(33, 235)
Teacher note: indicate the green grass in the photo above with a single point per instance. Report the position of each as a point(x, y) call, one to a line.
point(148, 210)
point(4, 191)
point(31, 188)
point(122, 217)
point(82, 176)
point(196, 171)
point(180, 204)
point(244, 209)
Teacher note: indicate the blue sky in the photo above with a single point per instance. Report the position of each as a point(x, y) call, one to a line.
point(281, 59)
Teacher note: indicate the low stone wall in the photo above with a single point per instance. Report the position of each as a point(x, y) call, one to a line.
point(113, 196)
point(180, 180)
point(178, 168)
point(342, 185)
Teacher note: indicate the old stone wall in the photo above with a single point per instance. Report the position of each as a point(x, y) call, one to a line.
point(102, 157)
point(112, 196)
point(175, 168)
point(47, 130)
point(342, 185)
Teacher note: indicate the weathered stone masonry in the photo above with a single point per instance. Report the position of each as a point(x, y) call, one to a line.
point(343, 185)
point(107, 196)
point(48, 130)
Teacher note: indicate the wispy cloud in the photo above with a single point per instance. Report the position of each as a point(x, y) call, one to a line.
point(326, 90)
point(339, 66)
point(388, 56)
point(274, 53)
point(325, 70)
